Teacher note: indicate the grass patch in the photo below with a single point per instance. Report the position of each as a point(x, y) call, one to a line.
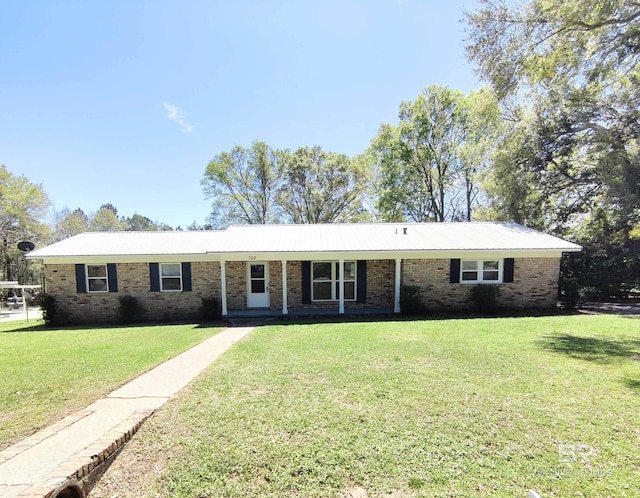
point(426, 408)
point(47, 373)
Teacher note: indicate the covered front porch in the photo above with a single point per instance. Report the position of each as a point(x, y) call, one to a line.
point(326, 284)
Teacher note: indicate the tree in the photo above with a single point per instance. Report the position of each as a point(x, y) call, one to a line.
point(68, 223)
point(484, 128)
point(106, 220)
point(110, 207)
point(194, 226)
point(243, 185)
point(137, 222)
point(576, 141)
point(571, 159)
point(323, 187)
point(544, 44)
point(429, 165)
point(23, 205)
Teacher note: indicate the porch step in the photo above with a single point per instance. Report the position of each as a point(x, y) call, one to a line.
point(305, 312)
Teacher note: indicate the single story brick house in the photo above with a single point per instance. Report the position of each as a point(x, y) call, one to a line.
point(296, 269)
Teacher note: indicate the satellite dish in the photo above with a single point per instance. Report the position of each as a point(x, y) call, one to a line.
point(26, 246)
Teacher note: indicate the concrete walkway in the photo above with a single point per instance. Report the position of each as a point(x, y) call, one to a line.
point(77, 445)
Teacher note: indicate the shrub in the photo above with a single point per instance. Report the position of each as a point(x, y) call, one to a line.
point(485, 298)
point(569, 290)
point(602, 273)
point(210, 309)
point(49, 308)
point(587, 294)
point(411, 300)
point(129, 309)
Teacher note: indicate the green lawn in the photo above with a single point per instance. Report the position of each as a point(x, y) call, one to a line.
point(48, 373)
point(428, 408)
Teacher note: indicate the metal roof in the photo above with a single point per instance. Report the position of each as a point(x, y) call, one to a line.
point(391, 237)
point(131, 243)
point(360, 237)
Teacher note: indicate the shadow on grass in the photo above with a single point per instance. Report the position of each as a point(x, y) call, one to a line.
point(13, 328)
point(41, 327)
point(307, 319)
point(592, 348)
point(632, 383)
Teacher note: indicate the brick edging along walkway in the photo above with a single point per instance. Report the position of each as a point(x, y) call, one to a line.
point(77, 450)
point(86, 468)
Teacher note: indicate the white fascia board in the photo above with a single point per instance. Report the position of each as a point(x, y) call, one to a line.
point(485, 254)
point(389, 255)
point(303, 256)
point(153, 258)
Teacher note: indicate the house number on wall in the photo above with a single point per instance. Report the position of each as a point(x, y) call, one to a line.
point(252, 258)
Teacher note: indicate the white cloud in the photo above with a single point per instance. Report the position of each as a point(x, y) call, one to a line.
point(174, 113)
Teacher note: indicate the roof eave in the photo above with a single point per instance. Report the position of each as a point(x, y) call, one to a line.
point(389, 254)
point(126, 258)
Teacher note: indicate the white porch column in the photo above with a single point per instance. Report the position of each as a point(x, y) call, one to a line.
point(396, 306)
point(223, 284)
point(341, 286)
point(24, 305)
point(285, 311)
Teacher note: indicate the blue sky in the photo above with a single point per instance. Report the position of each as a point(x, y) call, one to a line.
point(127, 101)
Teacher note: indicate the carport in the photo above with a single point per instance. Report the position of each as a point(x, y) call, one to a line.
point(13, 285)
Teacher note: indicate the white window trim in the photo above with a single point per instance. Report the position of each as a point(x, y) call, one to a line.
point(480, 280)
point(162, 289)
point(88, 278)
point(334, 282)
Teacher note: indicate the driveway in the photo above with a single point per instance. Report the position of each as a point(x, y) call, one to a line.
point(9, 315)
point(621, 308)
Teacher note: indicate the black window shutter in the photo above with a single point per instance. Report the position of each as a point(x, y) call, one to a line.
point(362, 281)
point(154, 277)
point(113, 277)
point(186, 277)
point(454, 271)
point(507, 274)
point(306, 282)
point(81, 279)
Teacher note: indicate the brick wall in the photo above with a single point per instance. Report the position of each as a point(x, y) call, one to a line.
point(535, 284)
point(380, 287)
point(236, 272)
point(133, 279)
point(294, 284)
point(275, 284)
point(380, 283)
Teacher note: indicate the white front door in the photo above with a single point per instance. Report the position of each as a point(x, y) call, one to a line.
point(257, 285)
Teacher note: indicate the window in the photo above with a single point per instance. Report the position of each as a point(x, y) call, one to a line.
point(325, 284)
point(349, 281)
point(97, 278)
point(170, 277)
point(488, 271)
point(257, 277)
